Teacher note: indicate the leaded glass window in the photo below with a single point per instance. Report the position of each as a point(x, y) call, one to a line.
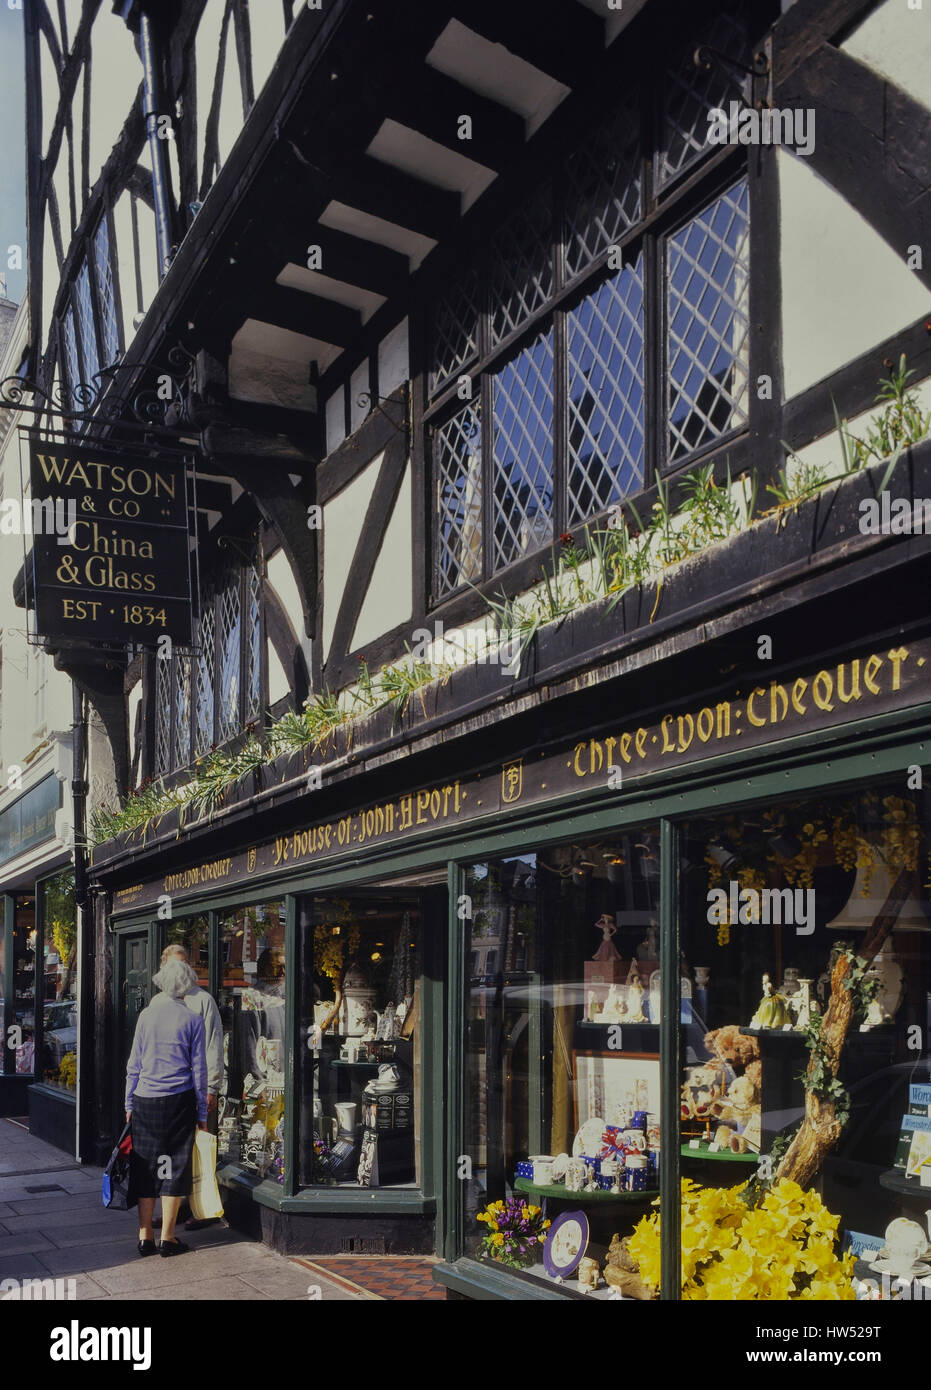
point(253, 645)
point(523, 452)
point(204, 682)
point(72, 362)
point(162, 715)
point(86, 327)
point(229, 650)
point(690, 93)
point(603, 189)
point(455, 329)
point(109, 332)
point(458, 483)
point(522, 273)
point(606, 401)
point(707, 344)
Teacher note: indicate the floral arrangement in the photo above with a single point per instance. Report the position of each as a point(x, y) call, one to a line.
point(514, 1231)
point(782, 1248)
point(68, 1071)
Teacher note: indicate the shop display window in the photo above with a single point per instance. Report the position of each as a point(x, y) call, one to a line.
point(19, 1053)
point(252, 1006)
point(360, 1072)
point(562, 1060)
point(193, 933)
point(58, 917)
point(806, 935)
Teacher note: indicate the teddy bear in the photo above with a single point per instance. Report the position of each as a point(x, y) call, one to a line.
point(732, 1046)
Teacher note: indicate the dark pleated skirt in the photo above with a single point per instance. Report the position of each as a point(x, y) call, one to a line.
point(163, 1143)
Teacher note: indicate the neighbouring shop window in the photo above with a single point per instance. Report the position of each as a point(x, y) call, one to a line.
point(58, 915)
point(807, 932)
point(562, 1071)
point(252, 1006)
point(20, 1049)
point(360, 1028)
point(193, 933)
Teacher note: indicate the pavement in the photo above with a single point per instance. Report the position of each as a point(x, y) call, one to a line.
point(53, 1226)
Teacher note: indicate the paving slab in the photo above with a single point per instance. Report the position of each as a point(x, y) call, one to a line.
point(43, 1203)
point(204, 1290)
point(23, 1244)
point(22, 1266)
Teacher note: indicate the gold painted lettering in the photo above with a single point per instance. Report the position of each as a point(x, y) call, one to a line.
point(897, 656)
point(407, 812)
point(596, 756)
point(798, 690)
point(777, 693)
point(423, 805)
point(624, 746)
point(758, 723)
point(854, 692)
point(706, 729)
point(684, 743)
point(640, 742)
point(723, 711)
point(668, 745)
point(870, 671)
point(435, 803)
point(609, 750)
point(579, 750)
point(822, 690)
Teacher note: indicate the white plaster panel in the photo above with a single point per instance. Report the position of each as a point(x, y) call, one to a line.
point(895, 40)
point(278, 683)
point(116, 75)
point(148, 251)
point(416, 154)
point(298, 277)
point(48, 81)
point(206, 55)
point(342, 524)
point(394, 359)
point(354, 222)
point(123, 252)
point(336, 419)
point(266, 34)
point(826, 452)
point(843, 288)
point(495, 72)
point(388, 598)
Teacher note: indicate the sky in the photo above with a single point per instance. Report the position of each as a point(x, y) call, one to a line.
point(12, 147)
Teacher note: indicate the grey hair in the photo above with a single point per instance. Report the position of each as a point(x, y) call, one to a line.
point(176, 979)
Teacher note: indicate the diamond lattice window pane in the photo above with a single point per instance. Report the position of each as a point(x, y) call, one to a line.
point(72, 364)
point(230, 647)
point(690, 92)
point(603, 188)
point(163, 716)
point(455, 329)
point(457, 471)
point(109, 332)
point(253, 647)
point(85, 314)
point(203, 681)
point(522, 393)
point(182, 712)
point(522, 275)
point(605, 341)
point(707, 265)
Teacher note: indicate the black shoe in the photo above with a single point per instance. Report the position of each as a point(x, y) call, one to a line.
point(146, 1247)
point(173, 1247)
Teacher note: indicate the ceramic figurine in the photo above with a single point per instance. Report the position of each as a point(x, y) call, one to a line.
point(635, 995)
point(613, 1010)
point(772, 1011)
point(589, 1272)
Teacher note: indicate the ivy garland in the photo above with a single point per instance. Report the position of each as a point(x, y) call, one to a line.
point(818, 1078)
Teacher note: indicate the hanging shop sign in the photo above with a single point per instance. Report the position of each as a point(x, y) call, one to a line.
point(110, 548)
point(31, 819)
point(892, 677)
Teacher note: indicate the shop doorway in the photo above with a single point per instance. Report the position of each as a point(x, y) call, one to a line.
point(134, 985)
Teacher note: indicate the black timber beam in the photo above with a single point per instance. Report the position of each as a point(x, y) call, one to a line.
point(561, 41)
point(433, 103)
point(376, 188)
point(302, 313)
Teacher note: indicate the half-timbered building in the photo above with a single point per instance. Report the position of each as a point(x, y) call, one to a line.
point(485, 335)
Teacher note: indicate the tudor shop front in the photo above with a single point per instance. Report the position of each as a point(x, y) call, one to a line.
point(518, 1001)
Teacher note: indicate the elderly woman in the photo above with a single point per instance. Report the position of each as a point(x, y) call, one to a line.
point(166, 1097)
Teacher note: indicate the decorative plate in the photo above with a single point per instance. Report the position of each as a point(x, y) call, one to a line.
point(566, 1244)
point(560, 1166)
point(588, 1139)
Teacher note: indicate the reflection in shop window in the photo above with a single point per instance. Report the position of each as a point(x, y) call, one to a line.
point(562, 1085)
point(60, 981)
point(193, 933)
point(252, 1007)
point(360, 1026)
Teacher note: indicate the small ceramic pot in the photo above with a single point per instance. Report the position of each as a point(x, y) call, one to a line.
point(576, 1174)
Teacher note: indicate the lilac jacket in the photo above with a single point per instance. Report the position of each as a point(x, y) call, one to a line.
point(168, 1054)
